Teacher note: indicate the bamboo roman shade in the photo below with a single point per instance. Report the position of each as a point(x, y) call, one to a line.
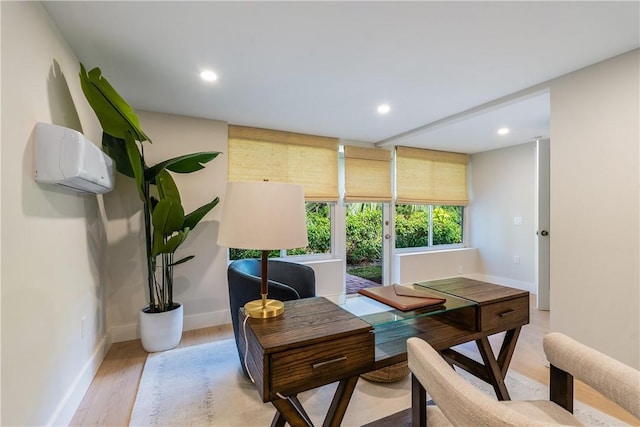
point(261, 154)
point(431, 177)
point(367, 174)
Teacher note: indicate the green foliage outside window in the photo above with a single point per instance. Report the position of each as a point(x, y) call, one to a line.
point(318, 232)
point(412, 225)
point(447, 225)
point(364, 232)
point(249, 253)
point(318, 228)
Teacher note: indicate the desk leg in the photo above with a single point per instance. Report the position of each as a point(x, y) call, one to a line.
point(497, 369)
point(278, 420)
point(340, 402)
point(507, 349)
point(290, 410)
point(493, 370)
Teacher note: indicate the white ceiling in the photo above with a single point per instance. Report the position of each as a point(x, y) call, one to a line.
point(323, 67)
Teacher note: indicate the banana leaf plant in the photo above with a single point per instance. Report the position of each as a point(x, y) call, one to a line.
point(166, 226)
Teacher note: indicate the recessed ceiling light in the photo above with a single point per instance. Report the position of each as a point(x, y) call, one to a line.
point(209, 76)
point(503, 131)
point(383, 108)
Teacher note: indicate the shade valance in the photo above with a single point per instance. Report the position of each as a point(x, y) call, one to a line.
point(431, 177)
point(261, 154)
point(367, 174)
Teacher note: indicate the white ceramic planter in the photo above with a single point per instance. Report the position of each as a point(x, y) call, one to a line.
point(161, 331)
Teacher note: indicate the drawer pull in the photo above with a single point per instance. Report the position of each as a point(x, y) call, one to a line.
point(328, 362)
point(507, 313)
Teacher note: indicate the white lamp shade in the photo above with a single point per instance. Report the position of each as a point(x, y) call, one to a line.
point(263, 215)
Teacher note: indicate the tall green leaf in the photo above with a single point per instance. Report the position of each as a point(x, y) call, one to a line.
point(167, 188)
point(137, 165)
point(172, 244)
point(114, 113)
point(158, 243)
point(192, 219)
point(182, 260)
point(117, 150)
point(183, 164)
point(168, 216)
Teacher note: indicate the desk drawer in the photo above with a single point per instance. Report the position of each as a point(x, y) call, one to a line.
point(318, 364)
point(505, 314)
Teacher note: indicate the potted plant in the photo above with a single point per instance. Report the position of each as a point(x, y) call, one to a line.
point(165, 224)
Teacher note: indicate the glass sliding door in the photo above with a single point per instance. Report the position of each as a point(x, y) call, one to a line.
point(364, 246)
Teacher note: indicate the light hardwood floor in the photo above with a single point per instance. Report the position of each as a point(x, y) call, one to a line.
point(111, 396)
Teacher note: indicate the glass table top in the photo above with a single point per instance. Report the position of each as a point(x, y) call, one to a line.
point(378, 314)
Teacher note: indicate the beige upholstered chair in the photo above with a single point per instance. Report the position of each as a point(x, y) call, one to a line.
point(461, 404)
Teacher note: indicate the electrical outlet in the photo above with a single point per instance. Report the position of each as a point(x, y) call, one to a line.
point(516, 259)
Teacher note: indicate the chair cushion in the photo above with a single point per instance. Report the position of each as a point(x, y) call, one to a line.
point(435, 417)
point(544, 411)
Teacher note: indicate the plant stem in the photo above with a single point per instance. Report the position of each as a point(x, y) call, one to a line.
point(151, 267)
point(170, 281)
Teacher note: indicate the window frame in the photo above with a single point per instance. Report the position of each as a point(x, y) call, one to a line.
point(308, 257)
point(431, 247)
point(317, 257)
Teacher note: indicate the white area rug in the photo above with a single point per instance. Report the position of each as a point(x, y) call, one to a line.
point(204, 386)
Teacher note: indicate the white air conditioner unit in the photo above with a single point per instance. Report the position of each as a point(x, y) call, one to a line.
point(65, 157)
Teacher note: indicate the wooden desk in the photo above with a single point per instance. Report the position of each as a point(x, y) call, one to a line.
point(316, 342)
point(313, 343)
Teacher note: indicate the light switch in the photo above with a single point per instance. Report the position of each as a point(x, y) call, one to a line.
point(517, 220)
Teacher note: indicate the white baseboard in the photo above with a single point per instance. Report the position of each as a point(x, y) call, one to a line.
point(71, 400)
point(124, 332)
point(192, 321)
point(204, 320)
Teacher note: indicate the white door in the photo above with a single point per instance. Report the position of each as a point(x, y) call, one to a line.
point(387, 244)
point(542, 273)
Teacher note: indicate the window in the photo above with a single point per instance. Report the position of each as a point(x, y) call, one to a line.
point(319, 215)
point(318, 230)
point(312, 161)
point(424, 226)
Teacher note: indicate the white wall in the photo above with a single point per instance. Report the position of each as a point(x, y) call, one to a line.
point(329, 279)
point(595, 216)
point(503, 188)
point(423, 266)
point(53, 241)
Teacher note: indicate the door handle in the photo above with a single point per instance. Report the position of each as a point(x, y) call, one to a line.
point(543, 233)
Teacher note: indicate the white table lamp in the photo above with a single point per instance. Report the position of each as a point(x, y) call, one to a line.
point(263, 216)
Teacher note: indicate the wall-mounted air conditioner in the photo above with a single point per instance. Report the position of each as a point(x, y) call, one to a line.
point(65, 157)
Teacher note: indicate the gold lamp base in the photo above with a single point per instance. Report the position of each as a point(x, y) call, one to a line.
point(264, 308)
